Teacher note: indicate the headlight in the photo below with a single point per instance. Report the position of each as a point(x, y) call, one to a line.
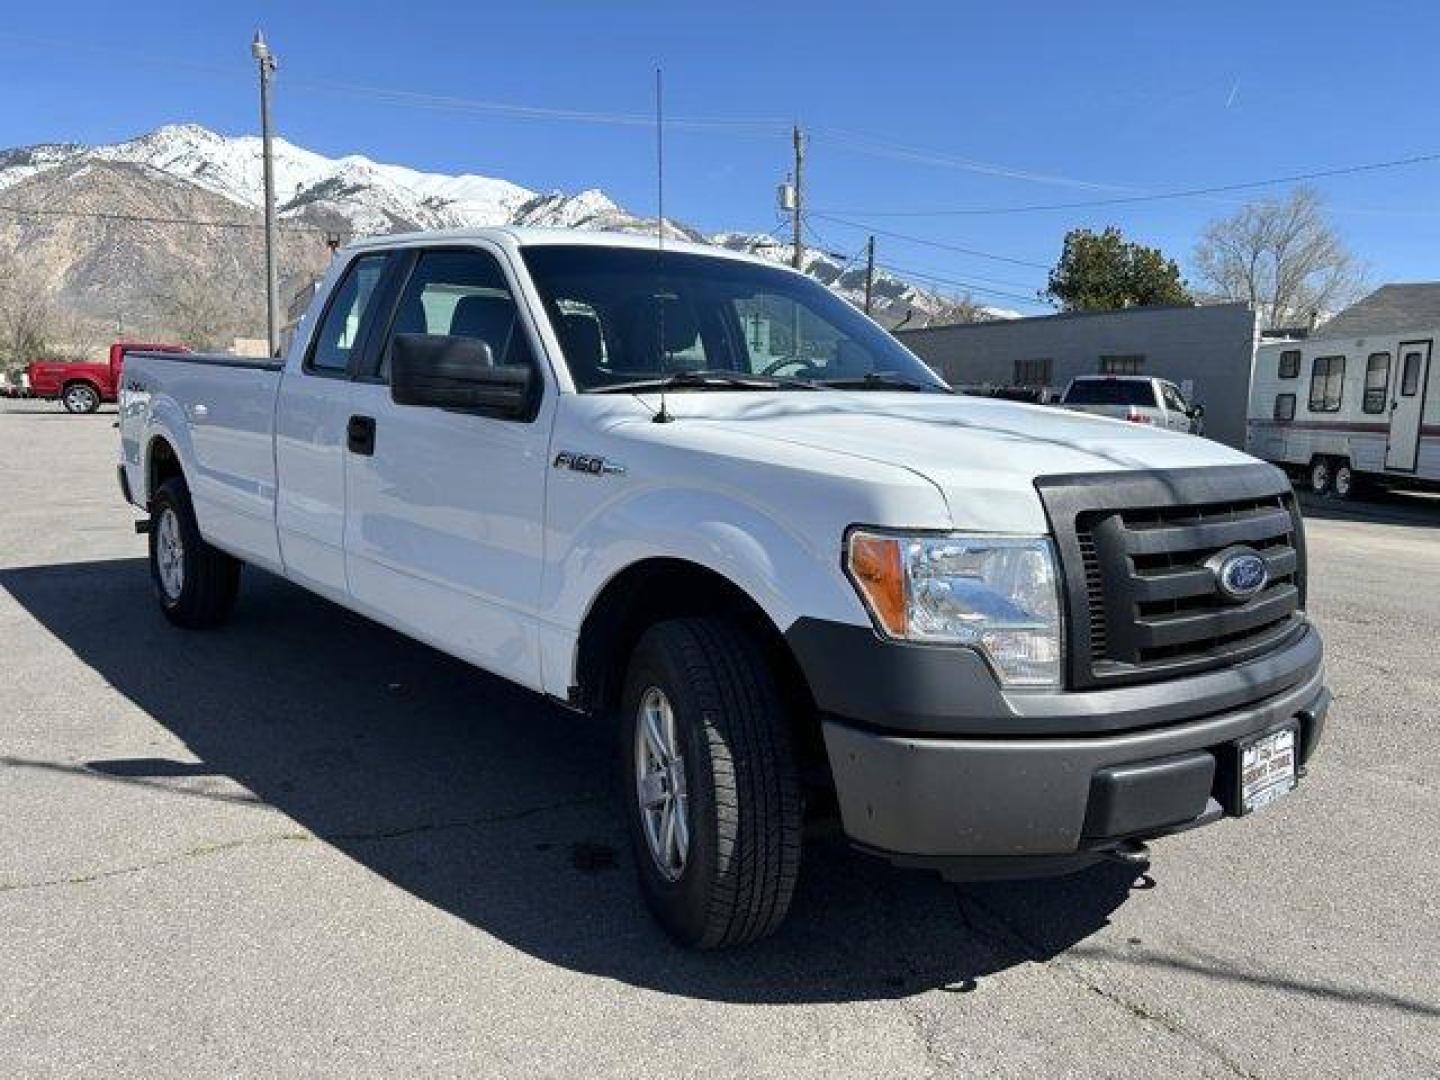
point(997, 594)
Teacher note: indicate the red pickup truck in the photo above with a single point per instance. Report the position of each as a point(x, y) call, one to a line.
point(81, 386)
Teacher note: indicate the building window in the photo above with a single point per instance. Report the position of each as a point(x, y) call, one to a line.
point(1284, 407)
point(1122, 365)
point(1377, 382)
point(1037, 372)
point(1327, 383)
point(1290, 364)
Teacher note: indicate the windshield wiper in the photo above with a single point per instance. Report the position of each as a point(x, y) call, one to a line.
point(707, 379)
point(883, 380)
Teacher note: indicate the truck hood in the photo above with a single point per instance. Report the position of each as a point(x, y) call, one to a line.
point(982, 454)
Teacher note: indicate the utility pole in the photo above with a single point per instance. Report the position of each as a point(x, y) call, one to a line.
point(869, 272)
point(266, 60)
point(797, 210)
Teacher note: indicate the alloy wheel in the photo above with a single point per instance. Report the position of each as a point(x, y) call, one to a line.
point(170, 554)
point(660, 785)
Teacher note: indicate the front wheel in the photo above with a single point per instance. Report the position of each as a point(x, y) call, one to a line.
point(713, 803)
point(80, 398)
point(195, 583)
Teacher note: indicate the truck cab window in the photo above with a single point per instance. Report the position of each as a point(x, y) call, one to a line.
point(1173, 398)
point(461, 294)
point(345, 316)
point(628, 314)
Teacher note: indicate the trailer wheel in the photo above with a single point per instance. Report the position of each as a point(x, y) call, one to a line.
point(195, 583)
point(1345, 485)
point(709, 783)
point(80, 397)
point(1321, 475)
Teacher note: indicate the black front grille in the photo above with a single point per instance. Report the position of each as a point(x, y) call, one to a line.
point(1140, 600)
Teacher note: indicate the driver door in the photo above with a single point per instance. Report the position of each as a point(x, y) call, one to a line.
point(444, 509)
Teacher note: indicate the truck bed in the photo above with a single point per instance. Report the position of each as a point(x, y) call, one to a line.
point(223, 406)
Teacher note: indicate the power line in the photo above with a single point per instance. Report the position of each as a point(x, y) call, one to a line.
point(421, 99)
point(1003, 282)
point(968, 286)
point(149, 219)
point(1184, 193)
point(925, 241)
point(882, 147)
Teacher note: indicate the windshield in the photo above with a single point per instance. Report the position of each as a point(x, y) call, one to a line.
point(1111, 392)
point(627, 315)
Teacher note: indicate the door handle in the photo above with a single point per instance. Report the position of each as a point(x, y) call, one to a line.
point(360, 435)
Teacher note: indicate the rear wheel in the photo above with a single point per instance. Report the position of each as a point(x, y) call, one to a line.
point(713, 803)
point(195, 583)
point(1345, 484)
point(80, 398)
point(1320, 475)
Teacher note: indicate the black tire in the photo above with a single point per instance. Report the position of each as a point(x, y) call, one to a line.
point(744, 813)
point(209, 578)
point(80, 397)
point(1345, 485)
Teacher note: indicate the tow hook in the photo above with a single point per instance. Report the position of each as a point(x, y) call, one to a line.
point(1131, 853)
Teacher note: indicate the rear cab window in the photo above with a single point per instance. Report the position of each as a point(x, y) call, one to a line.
point(1139, 393)
point(345, 317)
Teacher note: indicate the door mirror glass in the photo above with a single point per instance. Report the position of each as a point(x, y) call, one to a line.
point(447, 372)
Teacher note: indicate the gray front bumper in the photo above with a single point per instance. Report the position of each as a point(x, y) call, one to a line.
point(1014, 801)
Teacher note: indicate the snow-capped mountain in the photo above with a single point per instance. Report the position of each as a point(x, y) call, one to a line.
point(355, 196)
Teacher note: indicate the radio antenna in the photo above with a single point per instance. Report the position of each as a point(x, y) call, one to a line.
point(663, 416)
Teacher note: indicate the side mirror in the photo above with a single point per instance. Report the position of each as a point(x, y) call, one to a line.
point(444, 372)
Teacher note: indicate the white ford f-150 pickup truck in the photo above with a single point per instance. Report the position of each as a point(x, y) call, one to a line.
point(699, 497)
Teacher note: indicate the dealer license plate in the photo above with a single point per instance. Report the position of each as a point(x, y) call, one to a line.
point(1267, 769)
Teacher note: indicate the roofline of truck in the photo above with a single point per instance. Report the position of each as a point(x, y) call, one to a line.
point(515, 237)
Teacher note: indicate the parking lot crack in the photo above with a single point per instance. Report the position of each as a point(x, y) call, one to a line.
point(198, 852)
point(999, 932)
point(201, 851)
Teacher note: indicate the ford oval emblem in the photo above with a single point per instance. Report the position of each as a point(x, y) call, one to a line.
point(1240, 573)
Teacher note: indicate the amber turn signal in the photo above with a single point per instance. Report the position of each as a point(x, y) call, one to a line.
point(875, 567)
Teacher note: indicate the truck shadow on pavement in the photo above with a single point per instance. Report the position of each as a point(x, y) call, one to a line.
point(1378, 507)
point(496, 806)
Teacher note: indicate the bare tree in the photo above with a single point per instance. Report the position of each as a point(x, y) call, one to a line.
point(30, 325)
point(1283, 257)
point(196, 311)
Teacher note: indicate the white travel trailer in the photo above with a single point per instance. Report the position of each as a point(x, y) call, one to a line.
point(1349, 410)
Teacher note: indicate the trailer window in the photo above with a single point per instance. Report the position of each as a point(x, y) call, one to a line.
point(1377, 382)
point(1327, 383)
point(1290, 364)
point(1410, 377)
point(1284, 407)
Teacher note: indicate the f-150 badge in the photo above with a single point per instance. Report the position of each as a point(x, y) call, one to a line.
point(587, 463)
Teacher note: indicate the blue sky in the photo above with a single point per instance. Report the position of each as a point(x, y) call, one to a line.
point(919, 107)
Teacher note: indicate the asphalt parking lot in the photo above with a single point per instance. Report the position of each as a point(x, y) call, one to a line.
point(304, 844)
